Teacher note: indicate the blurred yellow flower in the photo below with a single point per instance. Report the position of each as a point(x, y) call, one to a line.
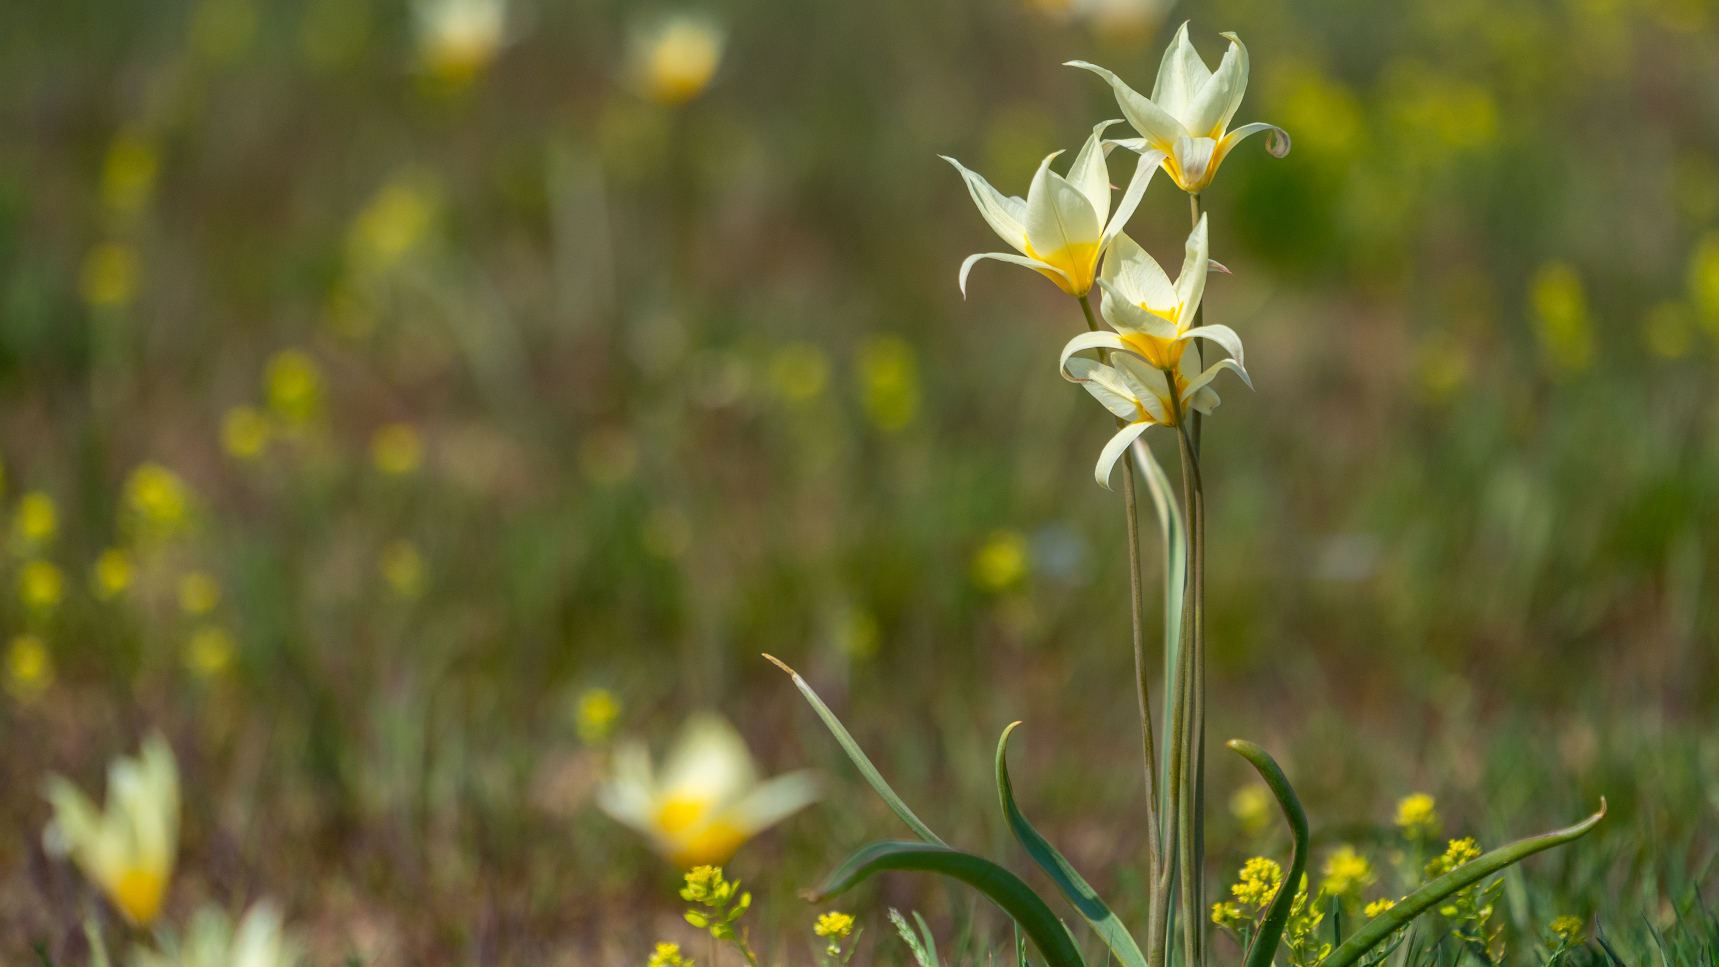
point(799, 371)
point(1258, 882)
point(29, 669)
point(1441, 363)
point(1187, 117)
point(402, 568)
point(209, 651)
point(1347, 873)
point(458, 38)
point(111, 275)
point(668, 955)
point(834, 924)
point(1251, 806)
point(128, 174)
point(36, 521)
point(1417, 816)
point(157, 499)
point(1459, 852)
point(707, 800)
point(673, 60)
point(1561, 318)
point(199, 593)
point(889, 382)
point(395, 448)
point(1704, 282)
point(112, 574)
point(1377, 907)
point(1001, 562)
point(127, 849)
point(1063, 226)
point(1566, 929)
point(245, 433)
point(294, 385)
point(1329, 115)
point(221, 30)
point(40, 586)
point(598, 709)
point(211, 940)
point(1667, 330)
point(397, 220)
point(855, 633)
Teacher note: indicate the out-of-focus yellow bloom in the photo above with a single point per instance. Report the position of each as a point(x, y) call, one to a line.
point(36, 521)
point(1667, 330)
point(1417, 816)
point(199, 593)
point(40, 586)
point(458, 38)
point(293, 382)
point(855, 633)
point(668, 955)
point(395, 448)
point(707, 800)
point(29, 668)
point(1377, 907)
point(598, 709)
point(1187, 117)
point(402, 567)
point(1704, 282)
point(1442, 367)
point(1226, 914)
point(212, 941)
point(1063, 226)
point(112, 574)
point(834, 924)
point(110, 276)
point(1251, 806)
point(128, 174)
point(209, 651)
point(1001, 562)
point(1459, 852)
point(395, 222)
point(157, 499)
point(245, 433)
point(1347, 873)
point(221, 30)
point(1561, 318)
point(127, 849)
point(1328, 115)
point(1566, 929)
point(1258, 882)
point(1438, 111)
point(673, 60)
point(799, 371)
point(889, 382)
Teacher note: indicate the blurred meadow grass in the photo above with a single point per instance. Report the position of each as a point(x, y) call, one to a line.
point(370, 400)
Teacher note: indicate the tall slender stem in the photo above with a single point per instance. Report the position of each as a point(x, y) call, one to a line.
point(1191, 723)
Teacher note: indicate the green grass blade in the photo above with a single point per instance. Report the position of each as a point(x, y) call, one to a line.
point(1175, 533)
point(1001, 887)
point(930, 941)
point(1081, 895)
point(859, 758)
point(1463, 876)
point(1264, 945)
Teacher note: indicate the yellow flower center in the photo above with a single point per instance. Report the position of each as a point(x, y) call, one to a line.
point(138, 893)
point(713, 844)
point(678, 813)
point(1161, 353)
point(1078, 260)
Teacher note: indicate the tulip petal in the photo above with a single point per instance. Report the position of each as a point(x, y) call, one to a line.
point(1211, 373)
point(967, 266)
point(1226, 337)
point(1089, 340)
point(1215, 102)
point(709, 761)
point(1114, 450)
point(1146, 382)
point(1150, 160)
point(1191, 283)
point(1089, 174)
point(1159, 127)
point(1005, 214)
point(1126, 316)
point(771, 802)
point(1238, 85)
point(1196, 159)
point(1138, 278)
point(1277, 143)
point(1060, 218)
point(1181, 75)
point(1104, 385)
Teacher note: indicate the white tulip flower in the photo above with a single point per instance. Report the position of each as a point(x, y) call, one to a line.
point(212, 941)
point(128, 849)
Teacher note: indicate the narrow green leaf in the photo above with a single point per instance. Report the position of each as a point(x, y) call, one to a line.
point(859, 758)
point(1084, 899)
point(1174, 533)
point(1003, 888)
point(930, 941)
point(1466, 875)
point(1264, 946)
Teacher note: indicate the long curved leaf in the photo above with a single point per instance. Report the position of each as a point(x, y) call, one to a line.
point(1264, 946)
point(1084, 899)
point(846, 741)
point(1175, 533)
point(1466, 875)
point(1003, 888)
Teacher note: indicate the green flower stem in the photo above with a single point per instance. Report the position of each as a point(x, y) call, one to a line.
point(1191, 725)
point(1149, 752)
point(1194, 210)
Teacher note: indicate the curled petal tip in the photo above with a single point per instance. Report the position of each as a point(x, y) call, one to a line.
point(1217, 266)
point(1277, 142)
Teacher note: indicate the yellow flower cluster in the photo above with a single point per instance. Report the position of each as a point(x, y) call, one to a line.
point(834, 924)
point(668, 955)
point(1459, 852)
point(598, 709)
point(1417, 817)
point(1347, 873)
point(1379, 906)
point(1259, 881)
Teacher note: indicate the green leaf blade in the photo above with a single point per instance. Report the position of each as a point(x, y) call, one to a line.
point(1263, 948)
point(1001, 887)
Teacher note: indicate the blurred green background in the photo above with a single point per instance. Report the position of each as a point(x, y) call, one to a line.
point(466, 380)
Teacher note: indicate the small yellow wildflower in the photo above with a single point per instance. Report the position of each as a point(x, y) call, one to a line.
point(402, 567)
point(834, 924)
point(1417, 816)
point(1001, 562)
point(158, 498)
point(799, 371)
point(1258, 881)
point(36, 521)
point(111, 276)
point(1378, 906)
point(293, 381)
point(199, 593)
point(1566, 930)
point(112, 574)
point(1226, 914)
point(598, 709)
point(1347, 872)
point(40, 586)
point(398, 219)
point(29, 668)
point(1251, 806)
point(1704, 282)
point(889, 382)
point(245, 433)
point(457, 39)
point(668, 955)
point(209, 651)
point(673, 61)
point(1561, 318)
point(704, 884)
point(395, 448)
point(128, 174)
point(1459, 852)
